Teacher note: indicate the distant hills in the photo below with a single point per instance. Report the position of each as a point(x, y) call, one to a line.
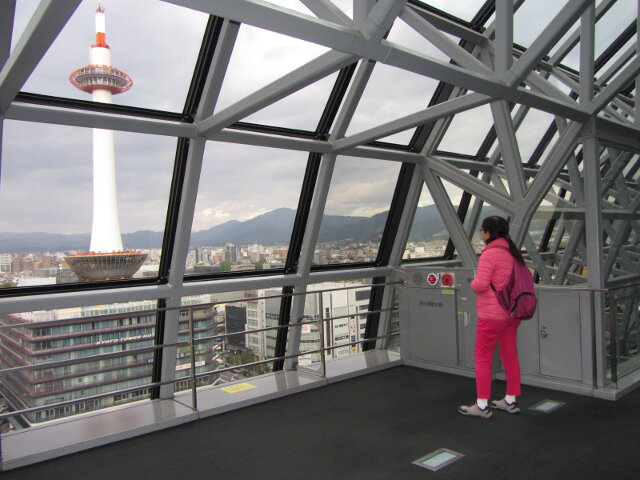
point(271, 228)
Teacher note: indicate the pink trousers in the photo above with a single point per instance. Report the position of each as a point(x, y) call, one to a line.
point(502, 332)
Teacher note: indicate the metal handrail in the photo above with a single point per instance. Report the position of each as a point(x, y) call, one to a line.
point(49, 323)
point(151, 348)
point(191, 342)
point(175, 380)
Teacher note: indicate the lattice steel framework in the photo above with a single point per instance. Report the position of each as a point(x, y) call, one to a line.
point(582, 179)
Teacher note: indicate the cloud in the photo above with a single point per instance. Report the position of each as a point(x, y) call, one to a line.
point(46, 181)
point(361, 187)
point(244, 181)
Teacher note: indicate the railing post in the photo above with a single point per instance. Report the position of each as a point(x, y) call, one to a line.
point(613, 338)
point(194, 394)
point(323, 360)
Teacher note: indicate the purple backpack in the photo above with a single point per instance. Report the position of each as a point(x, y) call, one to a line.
point(518, 296)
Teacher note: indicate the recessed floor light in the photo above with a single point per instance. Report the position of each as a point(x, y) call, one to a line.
point(546, 406)
point(439, 459)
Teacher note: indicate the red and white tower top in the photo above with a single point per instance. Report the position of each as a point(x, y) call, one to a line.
point(100, 27)
point(100, 75)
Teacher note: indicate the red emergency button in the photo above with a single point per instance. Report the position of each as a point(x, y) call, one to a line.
point(447, 279)
point(432, 279)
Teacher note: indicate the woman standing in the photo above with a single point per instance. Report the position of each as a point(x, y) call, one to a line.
point(495, 325)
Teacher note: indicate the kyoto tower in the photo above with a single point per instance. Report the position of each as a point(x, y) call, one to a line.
point(106, 259)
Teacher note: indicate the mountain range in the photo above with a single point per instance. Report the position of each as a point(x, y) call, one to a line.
point(271, 228)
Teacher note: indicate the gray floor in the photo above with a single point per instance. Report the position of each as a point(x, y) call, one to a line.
point(373, 427)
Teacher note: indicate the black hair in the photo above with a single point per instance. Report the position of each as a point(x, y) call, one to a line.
point(498, 227)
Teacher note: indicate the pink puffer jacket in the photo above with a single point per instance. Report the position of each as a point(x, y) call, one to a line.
point(495, 267)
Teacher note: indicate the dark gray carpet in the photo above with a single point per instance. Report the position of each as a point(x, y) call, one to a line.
point(373, 427)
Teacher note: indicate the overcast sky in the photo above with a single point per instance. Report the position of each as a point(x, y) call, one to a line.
point(46, 182)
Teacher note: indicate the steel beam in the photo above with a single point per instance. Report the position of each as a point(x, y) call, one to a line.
point(469, 183)
point(47, 21)
point(458, 30)
point(326, 10)
point(89, 119)
point(292, 82)
point(509, 148)
point(431, 114)
point(218, 69)
point(573, 40)
point(186, 210)
point(442, 42)
point(503, 37)
point(587, 49)
point(547, 39)
point(7, 12)
point(619, 82)
point(449, 217)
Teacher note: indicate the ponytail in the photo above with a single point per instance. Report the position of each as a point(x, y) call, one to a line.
point(515, 251)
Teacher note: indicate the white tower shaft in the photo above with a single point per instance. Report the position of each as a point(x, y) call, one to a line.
point(105, 232)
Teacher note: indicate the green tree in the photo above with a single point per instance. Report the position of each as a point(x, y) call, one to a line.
point(225, 266)
point(260, 263)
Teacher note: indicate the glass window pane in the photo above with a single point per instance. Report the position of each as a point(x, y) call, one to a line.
point(428, 236)
point(155, 43)
point(467, 131)
point(405, 36)
point(261, 57)
point(23, 12)
point(301, 110)
point(531, 132)
point(356, 210)
point(532, 18)
point(246, 205)
point(613, 23)
point(46, 199)
point(465, 10)
point(381, 104)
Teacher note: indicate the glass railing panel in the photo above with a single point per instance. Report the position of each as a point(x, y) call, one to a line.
point(76, 355)
point(234, 336)
point(393, 340)
point(339, 312)
point(622, 336)
point(337, 304)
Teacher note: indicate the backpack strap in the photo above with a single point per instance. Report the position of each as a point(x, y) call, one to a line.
point(502, 247)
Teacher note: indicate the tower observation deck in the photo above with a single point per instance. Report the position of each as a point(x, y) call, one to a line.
point(107, 259)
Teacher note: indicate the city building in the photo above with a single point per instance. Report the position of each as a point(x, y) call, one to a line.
point(62, 335)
